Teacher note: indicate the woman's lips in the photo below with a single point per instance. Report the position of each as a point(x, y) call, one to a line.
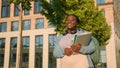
point(69, 24)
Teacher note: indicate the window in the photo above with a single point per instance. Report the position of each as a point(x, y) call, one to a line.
point(14, 26)
point(16, 11)
point(39, 23)
point(13, 50)
point(2, 43)
point(51, 25)
point(100, 1)
point(52, 39)
point(5, 9)
point(103, 56)
point(14, 42)
point(12, 60)
point(25, 60)
point(26, 25)
point(102, 63)
point(39, 41)
point(26, 12)
point(1, 60)
point(25, 51)
point(37, 7)
point(3, 27)
point(38, 51)
point(52, 60)
point(25, 41)
point(2, 49)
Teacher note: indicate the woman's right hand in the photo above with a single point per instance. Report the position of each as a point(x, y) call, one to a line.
point(68, 51)
point(76, 47)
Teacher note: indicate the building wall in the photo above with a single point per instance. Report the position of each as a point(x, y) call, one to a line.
point(112, 49)
point(112, 15)
point(117, 29)
point(108, 8)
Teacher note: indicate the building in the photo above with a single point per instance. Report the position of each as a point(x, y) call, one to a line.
point(38, 37)
point(107, 61)
point(116, 4)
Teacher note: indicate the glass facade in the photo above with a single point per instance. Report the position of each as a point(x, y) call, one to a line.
point(25, 51)
point(3, 26)
point(5, 9)
point(52, 59)
point(26, 25)
point(37, 8)
point(16, 11)
point(13, 51)
point(38, 51)
point(14, 26)
point(25, 41)
point(39, 41)
point(39, 23)
point(2, 50)
point(100, 1)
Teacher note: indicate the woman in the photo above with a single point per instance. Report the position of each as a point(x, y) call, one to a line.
point(73, 55)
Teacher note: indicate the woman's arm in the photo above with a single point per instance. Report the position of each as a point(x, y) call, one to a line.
point(88, 49)
point(57, 51)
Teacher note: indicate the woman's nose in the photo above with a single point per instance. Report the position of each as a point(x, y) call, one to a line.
point(68, 21)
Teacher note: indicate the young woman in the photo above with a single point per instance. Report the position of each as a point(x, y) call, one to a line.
point(73, 55)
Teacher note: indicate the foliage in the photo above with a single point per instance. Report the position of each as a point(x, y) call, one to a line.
point(91, 18)
point(26, 5)
point(54, 12)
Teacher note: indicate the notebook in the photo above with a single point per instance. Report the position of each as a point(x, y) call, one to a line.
point(83, 38)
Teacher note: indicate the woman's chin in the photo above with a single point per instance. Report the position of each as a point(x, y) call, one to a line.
point(70, 28)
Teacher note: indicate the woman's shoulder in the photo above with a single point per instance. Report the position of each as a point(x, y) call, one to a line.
point(59, 36)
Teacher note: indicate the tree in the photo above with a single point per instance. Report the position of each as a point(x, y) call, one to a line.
point(23, 5)
point(91, 18)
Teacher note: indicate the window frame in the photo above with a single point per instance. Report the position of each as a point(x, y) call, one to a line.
point(39, 23)
point(3, 26)
point(5, 9)
point(28, 27)
point(13, 27)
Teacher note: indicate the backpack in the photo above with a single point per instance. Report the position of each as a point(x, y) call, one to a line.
point(96, 55)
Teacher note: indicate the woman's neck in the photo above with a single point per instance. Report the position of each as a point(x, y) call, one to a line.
point(72, 31)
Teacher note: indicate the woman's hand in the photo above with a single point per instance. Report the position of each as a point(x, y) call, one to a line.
point(68, 51)
point(76, 47)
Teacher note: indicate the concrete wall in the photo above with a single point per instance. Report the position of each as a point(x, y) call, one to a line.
point(117, 29)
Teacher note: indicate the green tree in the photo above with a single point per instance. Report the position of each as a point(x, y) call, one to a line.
point(23, 5)
point(91, 18)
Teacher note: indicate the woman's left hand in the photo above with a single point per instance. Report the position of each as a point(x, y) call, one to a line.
point(76, 47)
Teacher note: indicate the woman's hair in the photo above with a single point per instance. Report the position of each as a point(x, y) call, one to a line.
point(77, 19)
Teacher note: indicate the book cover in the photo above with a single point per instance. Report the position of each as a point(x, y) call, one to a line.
point(83, 38)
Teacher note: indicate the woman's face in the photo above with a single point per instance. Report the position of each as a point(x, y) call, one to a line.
point(71, 22)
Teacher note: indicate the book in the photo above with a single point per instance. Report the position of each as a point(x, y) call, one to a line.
point(82, 38)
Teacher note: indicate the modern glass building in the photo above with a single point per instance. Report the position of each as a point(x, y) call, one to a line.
point(38, 37)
